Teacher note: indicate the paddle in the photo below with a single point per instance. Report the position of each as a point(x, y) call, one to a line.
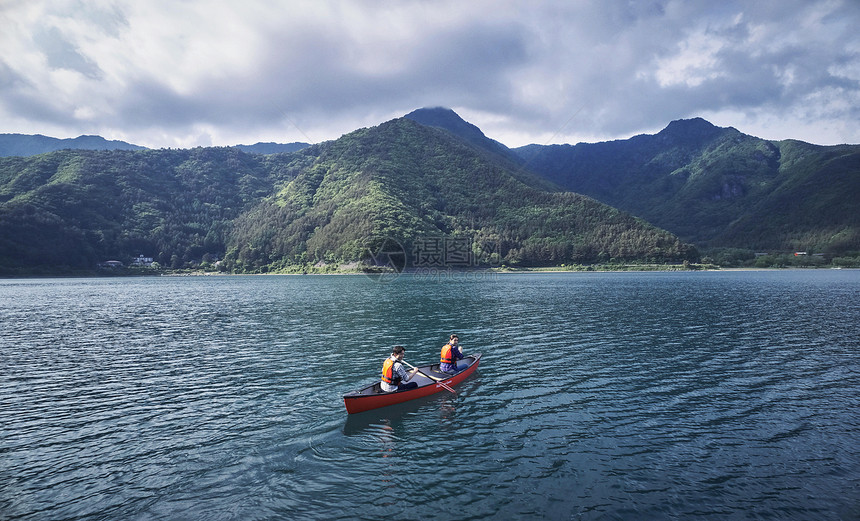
point(438, 380)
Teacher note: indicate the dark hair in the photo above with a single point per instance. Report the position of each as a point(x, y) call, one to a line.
point(453, 336)
point(397, 350)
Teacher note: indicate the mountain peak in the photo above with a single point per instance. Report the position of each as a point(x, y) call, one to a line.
point(448, 119)
point(690, 129)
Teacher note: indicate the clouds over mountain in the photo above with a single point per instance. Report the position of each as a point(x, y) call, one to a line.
point(166, 73)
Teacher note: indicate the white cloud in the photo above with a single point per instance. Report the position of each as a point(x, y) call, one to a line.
point(697, 61)
point(166, 73)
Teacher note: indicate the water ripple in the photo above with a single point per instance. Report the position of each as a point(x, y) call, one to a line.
point(599, 396)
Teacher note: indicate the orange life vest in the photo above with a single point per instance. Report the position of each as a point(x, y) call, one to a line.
point(447, 354)
point(388, 375)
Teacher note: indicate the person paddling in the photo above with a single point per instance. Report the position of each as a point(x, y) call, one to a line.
point(451, 352)
point(393, 373)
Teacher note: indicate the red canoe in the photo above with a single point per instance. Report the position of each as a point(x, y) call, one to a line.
point(373, 397)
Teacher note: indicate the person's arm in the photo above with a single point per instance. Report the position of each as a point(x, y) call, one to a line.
point(403, 374)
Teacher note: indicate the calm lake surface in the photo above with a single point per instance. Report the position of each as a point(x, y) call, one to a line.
point(720, 395)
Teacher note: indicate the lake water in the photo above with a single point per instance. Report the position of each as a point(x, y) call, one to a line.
point(720, 395)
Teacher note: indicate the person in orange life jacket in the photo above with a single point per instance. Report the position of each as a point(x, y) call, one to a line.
point(451, 352)
point(393, 373)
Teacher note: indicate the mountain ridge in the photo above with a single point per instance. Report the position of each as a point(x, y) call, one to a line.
point(25, 145)
point(718, 187)
point(540, 205)
point(408, 182)
point(417, 185)
point(34, 144)
point(269, 147)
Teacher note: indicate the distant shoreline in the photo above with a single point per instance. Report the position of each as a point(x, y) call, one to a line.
point(426, 272)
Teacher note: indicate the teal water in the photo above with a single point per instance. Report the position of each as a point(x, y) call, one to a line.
point(600, 396)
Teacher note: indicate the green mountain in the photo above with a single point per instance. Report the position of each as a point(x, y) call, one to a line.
point(73, 209)
point(419, 187)
point(717, 187)
point(31, 145)
point(416, 186)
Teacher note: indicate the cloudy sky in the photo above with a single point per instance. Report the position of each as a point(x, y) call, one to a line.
point(183, 73)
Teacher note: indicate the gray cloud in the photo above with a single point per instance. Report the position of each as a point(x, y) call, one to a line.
point(165, 74)
point(62, 54)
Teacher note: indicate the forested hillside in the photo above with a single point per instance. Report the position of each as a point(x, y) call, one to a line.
point(421, 181)
point(73, 209)
point(408, 182)
point(70, 210)
point(717, 187)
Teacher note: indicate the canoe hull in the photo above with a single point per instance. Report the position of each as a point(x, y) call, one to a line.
point(371, 397)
